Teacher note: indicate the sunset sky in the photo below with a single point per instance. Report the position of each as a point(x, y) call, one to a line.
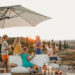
point(60, 27)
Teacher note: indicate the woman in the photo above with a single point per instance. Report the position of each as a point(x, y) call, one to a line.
point(4, 51)
point(26, 59)
point(38, 48)
point(0, 51)
point(52, 51)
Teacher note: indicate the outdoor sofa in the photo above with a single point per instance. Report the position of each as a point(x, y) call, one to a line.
point(38, 60)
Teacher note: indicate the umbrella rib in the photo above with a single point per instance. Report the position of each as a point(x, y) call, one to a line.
point(17, 15)
point(33, 12)
point(5, 18)
point(5, 13)
point(23, 18)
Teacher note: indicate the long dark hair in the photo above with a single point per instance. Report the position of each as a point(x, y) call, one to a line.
point(54, 48)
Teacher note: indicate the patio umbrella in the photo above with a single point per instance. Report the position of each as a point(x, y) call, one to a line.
point(14, 16)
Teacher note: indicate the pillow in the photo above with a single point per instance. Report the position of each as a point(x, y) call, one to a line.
point(13, 65)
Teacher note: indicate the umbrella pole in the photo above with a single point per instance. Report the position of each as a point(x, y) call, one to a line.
point(3, 23)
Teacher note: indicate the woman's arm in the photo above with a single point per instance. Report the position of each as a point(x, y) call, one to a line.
point(56, 49)
point(8, 48)
point(30, 58)
point(21, 50)
point(48, 53)
point(37, 47)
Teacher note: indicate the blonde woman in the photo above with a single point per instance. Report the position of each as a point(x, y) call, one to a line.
point(52, 51)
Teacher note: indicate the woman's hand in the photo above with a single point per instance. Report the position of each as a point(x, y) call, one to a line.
point(9, 47)
point(33, 55)
point(30, 58)
point(47, 48)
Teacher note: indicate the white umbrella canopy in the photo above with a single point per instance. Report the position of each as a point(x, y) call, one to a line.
point(16, 16)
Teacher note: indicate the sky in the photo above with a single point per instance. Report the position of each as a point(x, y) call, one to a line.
point(60, 27)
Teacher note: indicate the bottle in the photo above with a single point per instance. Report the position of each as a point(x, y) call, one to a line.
point(44, 67)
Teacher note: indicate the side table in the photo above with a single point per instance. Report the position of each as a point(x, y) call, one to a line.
point(5, 74)
point(39, 73)
point(2, 70)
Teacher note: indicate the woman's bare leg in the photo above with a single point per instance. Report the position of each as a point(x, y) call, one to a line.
point(35, 67)
point(7, 65)
point(3, 63)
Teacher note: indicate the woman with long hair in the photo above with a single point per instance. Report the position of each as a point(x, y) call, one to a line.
point(4, 51)
point(52, 51)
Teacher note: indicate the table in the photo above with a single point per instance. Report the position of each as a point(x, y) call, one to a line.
point(39, 73)
point(2, 70)
point(5, 74)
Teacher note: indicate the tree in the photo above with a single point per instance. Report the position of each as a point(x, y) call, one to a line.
point(52, 40)
point(60, 44)
point(27, 41)
point(49, 44)
point(65, 44)
point(11, 40)
point(43, 45)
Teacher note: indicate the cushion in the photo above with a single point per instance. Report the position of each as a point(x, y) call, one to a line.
point(13, 65)
point(40, 59)
point(15, 59)
point(20, 69)
point(55, 66)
